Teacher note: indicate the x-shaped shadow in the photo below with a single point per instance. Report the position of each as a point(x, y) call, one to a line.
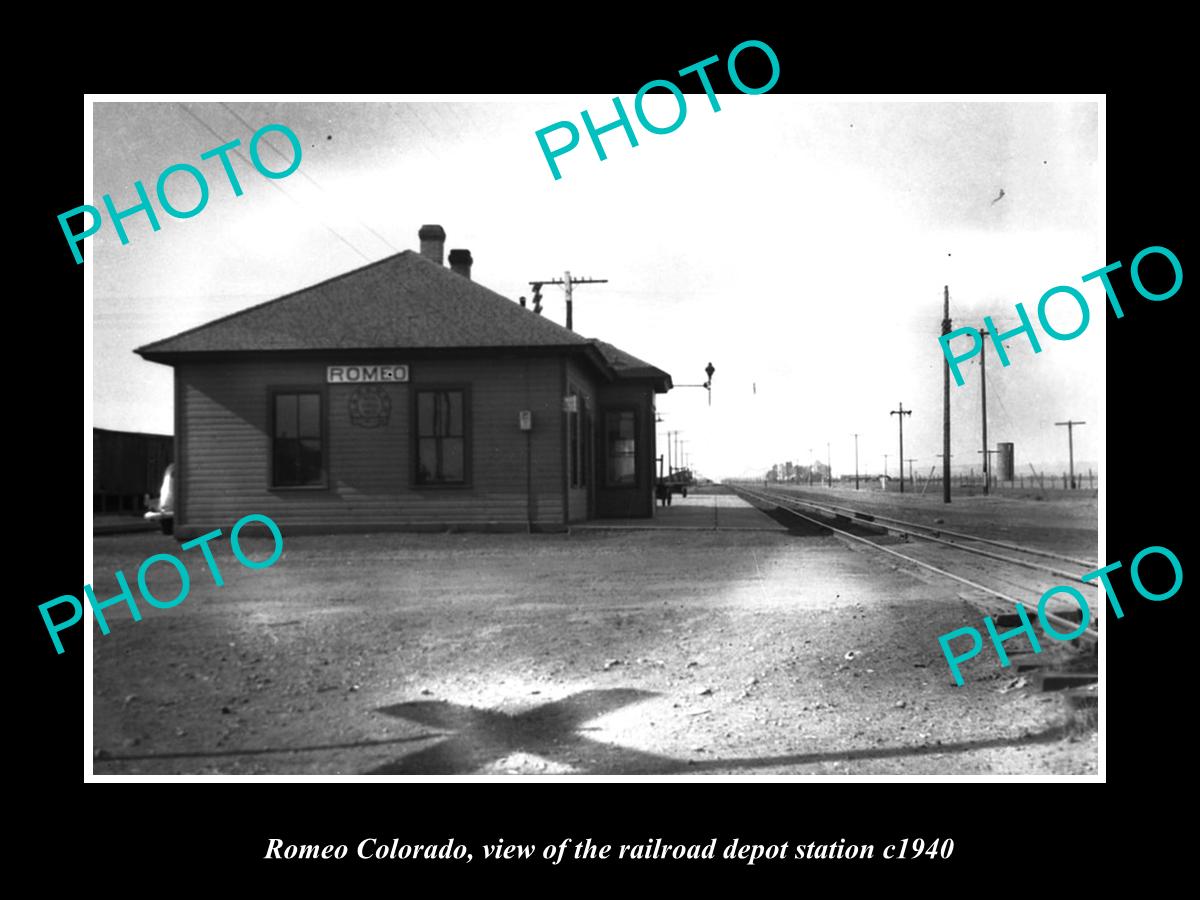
point(483, 736)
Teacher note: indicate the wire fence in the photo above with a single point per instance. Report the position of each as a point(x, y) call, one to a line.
point(969, 483)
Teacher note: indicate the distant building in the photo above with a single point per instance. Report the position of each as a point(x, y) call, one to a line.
point(404, 395)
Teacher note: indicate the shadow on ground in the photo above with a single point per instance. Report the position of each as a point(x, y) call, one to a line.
point(469, 739)
point(549, 731)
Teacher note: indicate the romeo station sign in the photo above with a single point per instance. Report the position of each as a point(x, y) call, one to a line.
point(365, 374)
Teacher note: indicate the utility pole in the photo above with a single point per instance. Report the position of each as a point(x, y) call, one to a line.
point(810, 466)
point(568, 284)
point(885, 474)
point(983, 395)
point(1071, 446)
point(658, 419)
point(829, 464)
point(946, 402)
point(856, 461)
point(987, 455)
point(911, 480)
point(945, 465)
point(901, 412)
point(669, 457)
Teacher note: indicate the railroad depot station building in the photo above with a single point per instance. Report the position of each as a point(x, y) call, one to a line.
point(403, 395)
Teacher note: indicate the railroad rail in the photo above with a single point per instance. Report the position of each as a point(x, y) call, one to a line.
point(937, 530)
point(790, 503)
point(935, 537)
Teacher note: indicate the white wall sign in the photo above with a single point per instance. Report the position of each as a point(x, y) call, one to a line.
point(365, 374)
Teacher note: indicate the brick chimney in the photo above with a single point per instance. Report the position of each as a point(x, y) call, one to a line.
point(433, 240)
point(460, 263)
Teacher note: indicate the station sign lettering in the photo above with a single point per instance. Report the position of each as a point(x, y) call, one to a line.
point(365, 374)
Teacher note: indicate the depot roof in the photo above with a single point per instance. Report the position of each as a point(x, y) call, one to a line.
point(405, 302)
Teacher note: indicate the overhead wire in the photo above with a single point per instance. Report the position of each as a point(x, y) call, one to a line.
point(273, 184)
point(306, 175)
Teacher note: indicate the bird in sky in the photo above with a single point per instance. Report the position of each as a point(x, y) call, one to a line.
point(998, 199)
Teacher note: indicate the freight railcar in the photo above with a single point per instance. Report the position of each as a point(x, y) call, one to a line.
point(127, 467)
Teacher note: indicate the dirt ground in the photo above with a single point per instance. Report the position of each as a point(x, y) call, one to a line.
point(600, 652)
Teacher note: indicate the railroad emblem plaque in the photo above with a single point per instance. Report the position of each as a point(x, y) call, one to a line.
point(370, 407)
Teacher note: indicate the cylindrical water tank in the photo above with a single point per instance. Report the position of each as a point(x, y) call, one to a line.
point(1004, 470)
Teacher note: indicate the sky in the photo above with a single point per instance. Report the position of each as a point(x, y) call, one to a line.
point(800, 245)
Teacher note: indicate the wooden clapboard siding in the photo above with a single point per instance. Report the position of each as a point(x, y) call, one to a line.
point(226, 453)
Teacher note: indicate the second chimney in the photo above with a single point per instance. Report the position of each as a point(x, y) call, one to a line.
point(460, 263)
point(433, 240)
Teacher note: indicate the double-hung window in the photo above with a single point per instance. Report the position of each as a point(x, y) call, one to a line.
point(298, 445)
point(441, 436)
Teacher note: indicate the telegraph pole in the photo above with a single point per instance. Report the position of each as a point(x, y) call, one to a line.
point(1071, 446)
point(829, 464)
point(983, 402)
point(810, 466)
point(946, 402)
point(568, 284)
point(885, 474)
point(945, 466)
point(856, 461)
point(901, 412)
point(911, 480)
point(987, 455)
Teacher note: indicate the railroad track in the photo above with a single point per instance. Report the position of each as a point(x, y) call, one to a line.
point(1029, 559)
